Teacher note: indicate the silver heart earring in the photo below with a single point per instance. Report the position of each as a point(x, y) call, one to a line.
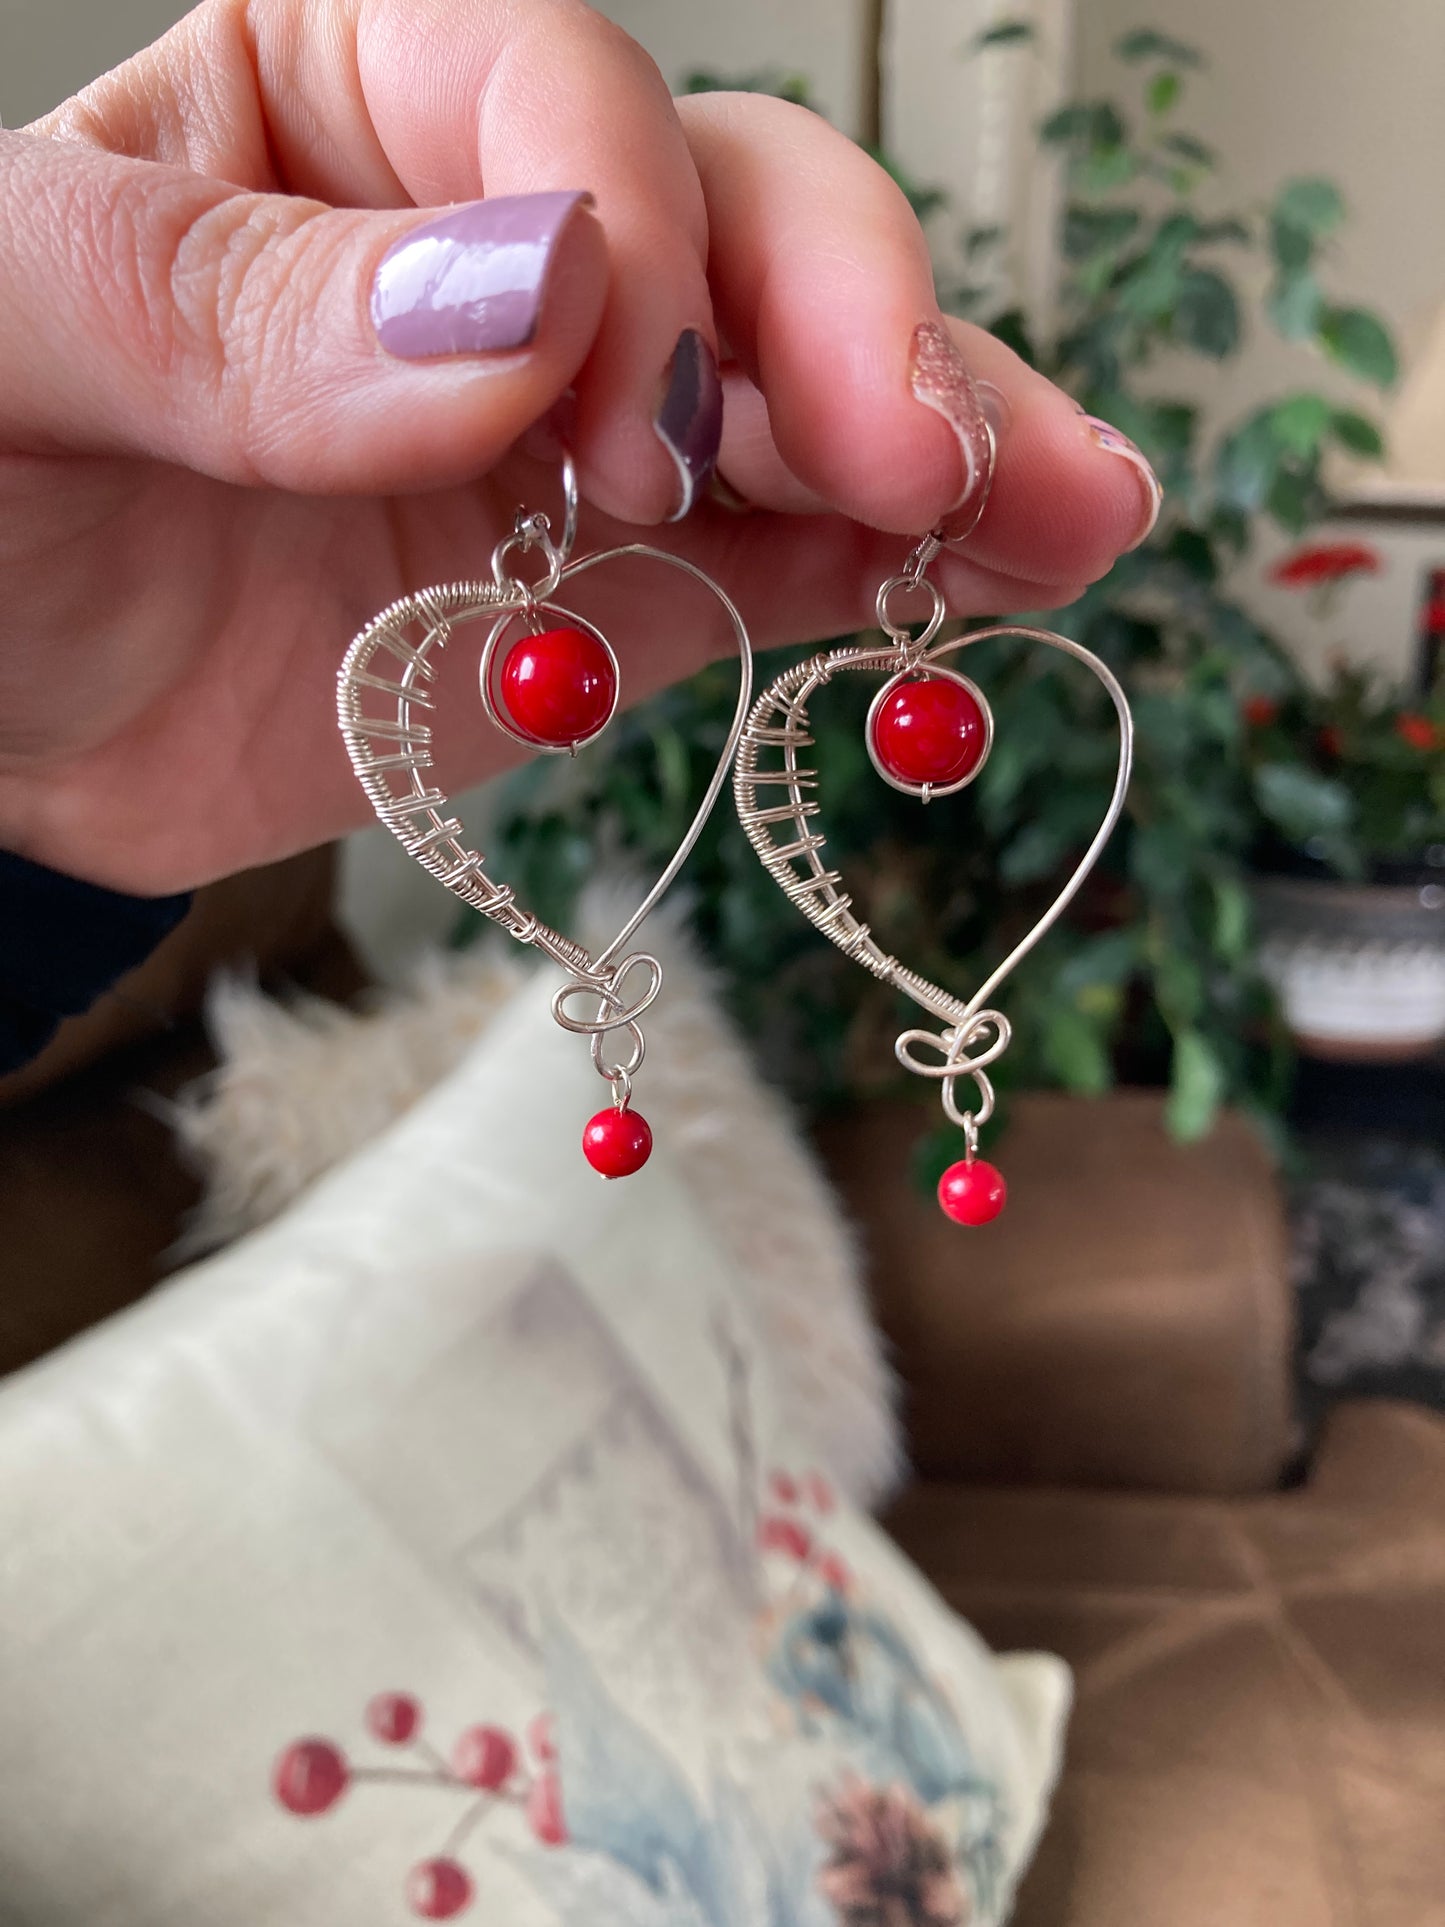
point(928, 733)
point(548, 679)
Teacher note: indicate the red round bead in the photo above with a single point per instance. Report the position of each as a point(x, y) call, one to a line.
point(617, 1143)
point(972, 1193)
point(310, 1777)
point(559, 687)
point(930, 729)
point(438, 1889)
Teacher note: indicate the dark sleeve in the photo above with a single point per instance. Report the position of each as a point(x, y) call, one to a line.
point(63, 943)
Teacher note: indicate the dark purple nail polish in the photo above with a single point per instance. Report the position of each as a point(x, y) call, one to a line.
point(689, 422)
point(470, 282)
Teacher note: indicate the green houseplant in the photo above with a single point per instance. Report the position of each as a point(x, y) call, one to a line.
point(1153, 976)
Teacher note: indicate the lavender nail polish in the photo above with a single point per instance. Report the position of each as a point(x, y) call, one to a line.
point(472, 281)
point(689, 421)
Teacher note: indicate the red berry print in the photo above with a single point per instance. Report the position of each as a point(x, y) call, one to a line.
point(438, 1889)
point(1260, 711)
point(834, 1572)
point(559, 687)
point(930, 729)
point(394, 1718)
point(310, 1777)
point(818, 1493)
point(542, 1738)
point(784, 1488)
point(972, 1192)
point(485, 1757)
point(617, 1143)
point(544, 1810)
point(785, 1536)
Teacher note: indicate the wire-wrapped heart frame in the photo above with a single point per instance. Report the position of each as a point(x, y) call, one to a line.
point(792, 846)
point(383, 696)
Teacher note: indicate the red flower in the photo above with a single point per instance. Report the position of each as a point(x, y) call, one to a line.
point(1418, 731)
point(1330, 740)
point(1330, 562)
point(1260, 711)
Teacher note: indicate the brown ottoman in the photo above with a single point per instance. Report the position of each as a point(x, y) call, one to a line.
point(1259, 1736)
point(1125, 1322)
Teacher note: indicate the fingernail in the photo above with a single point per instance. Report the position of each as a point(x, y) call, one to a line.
point(1106, 436)
point(472, 281)
point(689, 420)
point(939, 378)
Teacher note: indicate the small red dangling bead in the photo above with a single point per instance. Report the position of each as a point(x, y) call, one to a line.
point(930, 729)
point(617, 1143)
point(972, 1192)
point(560, 687)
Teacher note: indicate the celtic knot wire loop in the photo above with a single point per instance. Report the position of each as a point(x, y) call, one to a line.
point(614, 1012)
point(953, 1046)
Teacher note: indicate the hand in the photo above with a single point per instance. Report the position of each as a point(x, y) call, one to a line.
point(234, 422)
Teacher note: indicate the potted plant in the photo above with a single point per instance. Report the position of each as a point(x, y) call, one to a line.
point(1154, 976)
point(1348, 778)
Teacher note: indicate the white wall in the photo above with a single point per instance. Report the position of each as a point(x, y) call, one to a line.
point(49, 49)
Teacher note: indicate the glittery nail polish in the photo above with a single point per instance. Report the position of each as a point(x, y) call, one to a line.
point(938, 377)
point(1106, 436)
point(689, 419)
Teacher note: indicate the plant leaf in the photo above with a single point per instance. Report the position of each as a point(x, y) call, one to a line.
point(1206, 315)
point(1197, 1085)
point(1297, 498)
point(1089, 230)
point(1188, 148)
point(1360, 342)
point(1162, 92)
point(1004, 33)
point(1074, 1051)
point(1091, 123)
point(979, 240)
point(1300, 423)
point(1315, 207)
point(1357, 433)
point(1302, 803)
point(1147, 43)
point(1233, 925)
point(1105, 169)
point(1292, 247)
point(1294, 304)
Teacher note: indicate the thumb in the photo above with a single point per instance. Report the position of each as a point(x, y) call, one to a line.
point(264, 339)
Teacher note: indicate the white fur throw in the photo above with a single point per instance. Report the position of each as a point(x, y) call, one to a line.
point(304, 1084)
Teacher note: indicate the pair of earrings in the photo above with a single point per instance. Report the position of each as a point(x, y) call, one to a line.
point(549, 679)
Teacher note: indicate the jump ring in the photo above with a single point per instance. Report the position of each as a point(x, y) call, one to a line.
point(900, 583)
